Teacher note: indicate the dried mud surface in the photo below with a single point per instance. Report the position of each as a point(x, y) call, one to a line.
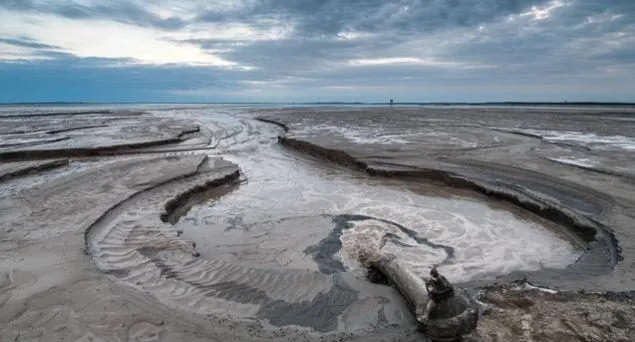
point(89, 250)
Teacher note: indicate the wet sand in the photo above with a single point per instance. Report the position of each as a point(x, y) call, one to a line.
point(99, 240)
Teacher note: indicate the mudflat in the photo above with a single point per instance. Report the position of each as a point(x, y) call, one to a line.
point(219, 223)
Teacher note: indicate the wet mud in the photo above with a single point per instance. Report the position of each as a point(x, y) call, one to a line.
point(521, 313)
point(202, 223)
point(30, 136)
point(480, 160)
point(21, 169)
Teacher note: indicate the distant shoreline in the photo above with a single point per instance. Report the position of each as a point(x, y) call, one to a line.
point(503, 103)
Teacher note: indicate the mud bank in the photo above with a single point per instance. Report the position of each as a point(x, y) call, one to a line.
point(14, 170)
point(603, 251)
point(133, 243)
point(413, 144)
point(141, 281)
point(88, 250)
point(593, 202)
point(90, 134)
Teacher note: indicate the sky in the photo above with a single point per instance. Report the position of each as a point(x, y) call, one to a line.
point(316, 50)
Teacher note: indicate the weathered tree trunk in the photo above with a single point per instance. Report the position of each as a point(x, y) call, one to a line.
point(449, 319)
point(411, 286)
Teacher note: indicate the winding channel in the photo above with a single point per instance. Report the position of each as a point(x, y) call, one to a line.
point(281, 243)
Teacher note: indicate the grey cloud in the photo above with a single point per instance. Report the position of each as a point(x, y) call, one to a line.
point(27, 43)
point(117, 10)
point(568, 41)
point(561, 48)
point(319, 17)
point(315, 42)
point(310, 17)
point(578, 43)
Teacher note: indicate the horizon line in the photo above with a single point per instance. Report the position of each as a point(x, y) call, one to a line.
point(438, 103)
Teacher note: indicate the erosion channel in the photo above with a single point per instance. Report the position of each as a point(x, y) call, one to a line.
point(242, 222)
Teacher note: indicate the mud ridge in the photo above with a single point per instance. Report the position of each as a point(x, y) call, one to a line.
point(602, 249)
point(108, 214)
point(47, 114)
point(70, 129)
point(32, 169)
point(273, 122)
point(543, 139)
point(333, 155)
point(40, 142)
point(184, 199)
point(81, 152)
point(134, 244)
point(93, 152)
point(601, 171)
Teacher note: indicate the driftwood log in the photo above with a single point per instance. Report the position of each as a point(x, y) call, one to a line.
point(449, 319)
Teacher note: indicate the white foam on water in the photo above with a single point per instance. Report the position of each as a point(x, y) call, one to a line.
point(486, 242)
point(583, 162)
point(601, 142)
point(380, 135)
point(359, 135)
point(282, 189)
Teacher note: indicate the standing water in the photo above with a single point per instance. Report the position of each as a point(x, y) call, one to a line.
point(293, 211)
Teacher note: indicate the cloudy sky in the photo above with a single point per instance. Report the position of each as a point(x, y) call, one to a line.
point(316, 50)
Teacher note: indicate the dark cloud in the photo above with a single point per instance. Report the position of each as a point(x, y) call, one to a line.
point(570, 39)
point(490, 50)
point(117, 10)
point(329, 17)
point(310, 17)
point(579, 37)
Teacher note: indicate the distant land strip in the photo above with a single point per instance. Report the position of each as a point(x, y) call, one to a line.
point(502, 103)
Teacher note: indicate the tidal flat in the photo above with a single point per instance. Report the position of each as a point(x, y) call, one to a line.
point(203, 223)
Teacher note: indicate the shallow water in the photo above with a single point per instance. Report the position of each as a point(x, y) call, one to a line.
point(280, 250)
point(289, 205)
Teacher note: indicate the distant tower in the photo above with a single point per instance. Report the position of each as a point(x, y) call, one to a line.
point(392, 102)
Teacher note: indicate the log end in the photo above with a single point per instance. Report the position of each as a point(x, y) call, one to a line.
point(452, 320)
